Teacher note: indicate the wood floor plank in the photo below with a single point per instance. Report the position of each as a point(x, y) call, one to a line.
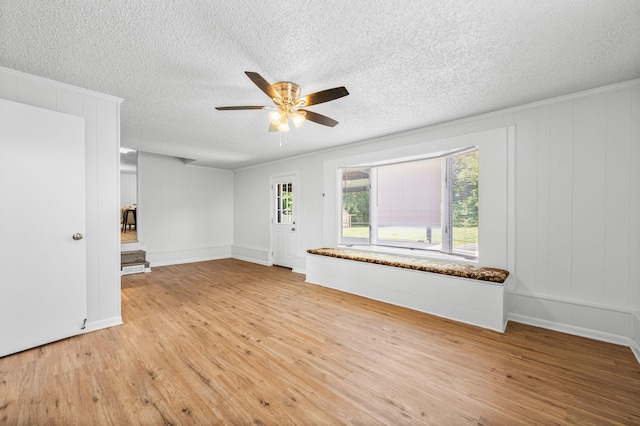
point(230, 342)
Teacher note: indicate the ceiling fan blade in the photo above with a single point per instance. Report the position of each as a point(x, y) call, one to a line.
point(325, 96)
point(319, 118)
point(262, 84)
point(233, 108)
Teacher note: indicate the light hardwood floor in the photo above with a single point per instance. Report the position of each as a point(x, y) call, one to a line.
point(230, 342)
point(131, 236)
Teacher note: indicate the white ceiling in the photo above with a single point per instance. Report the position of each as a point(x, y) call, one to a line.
point(406, 64)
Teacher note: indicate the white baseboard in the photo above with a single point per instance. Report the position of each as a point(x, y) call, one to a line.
point(636, 350)
point(612, 324)
point(635, 343)
point(265, 263)
point(189, 260)
point(253, 255)
point(599, 321)
point(570, 329)
point(249, 259)
point(262, 257)
point(177, 257)
point(99, 325)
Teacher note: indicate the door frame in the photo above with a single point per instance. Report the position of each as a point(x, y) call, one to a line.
point(273, 178)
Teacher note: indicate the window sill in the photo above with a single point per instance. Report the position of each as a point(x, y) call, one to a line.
point(420, 254)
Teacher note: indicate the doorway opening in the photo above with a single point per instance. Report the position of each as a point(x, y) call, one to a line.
point(128, 195)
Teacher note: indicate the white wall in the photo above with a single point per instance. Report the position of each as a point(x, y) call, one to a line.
point(576, 184)
point(128, 189)
point(102, 143)
point(185, 212)
point(634, 223)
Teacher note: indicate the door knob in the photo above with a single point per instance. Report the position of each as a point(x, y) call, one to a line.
point(77, 236)
point(293, 229)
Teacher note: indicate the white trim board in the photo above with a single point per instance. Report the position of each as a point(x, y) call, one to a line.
point(635, 341)
point(595, 321)
point(253, 255)
point(570, 329)
point(58, 84)
point(176, 257)
point(248, 259)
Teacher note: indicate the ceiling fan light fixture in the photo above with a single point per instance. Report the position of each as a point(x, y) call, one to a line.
point(275, 117)
point(298, 118)
point(284, 125)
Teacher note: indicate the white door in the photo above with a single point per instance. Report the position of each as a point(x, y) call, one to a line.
point(42, 195)
point(283, 220)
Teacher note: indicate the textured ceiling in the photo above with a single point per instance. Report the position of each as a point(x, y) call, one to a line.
point(406, 64)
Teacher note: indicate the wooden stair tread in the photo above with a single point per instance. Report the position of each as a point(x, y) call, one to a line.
point(145, 263)
point(133, 258)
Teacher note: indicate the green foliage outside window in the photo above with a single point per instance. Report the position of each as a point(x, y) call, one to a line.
point(357, 204)
point(465, 190)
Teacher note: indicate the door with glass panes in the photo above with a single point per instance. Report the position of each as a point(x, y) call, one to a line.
point(283, 219)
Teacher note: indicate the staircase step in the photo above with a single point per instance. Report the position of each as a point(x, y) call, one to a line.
point(134, 262)
point(128, 257)
point(145, 264)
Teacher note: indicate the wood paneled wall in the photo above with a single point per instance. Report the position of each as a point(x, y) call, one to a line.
point(102, 141)
point(576, 231)
point(185, 212)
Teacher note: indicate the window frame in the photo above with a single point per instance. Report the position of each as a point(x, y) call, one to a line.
point(496, 210)
point(373, 242)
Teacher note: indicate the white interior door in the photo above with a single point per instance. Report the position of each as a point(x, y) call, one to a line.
point(283, 220)
point(42, 188)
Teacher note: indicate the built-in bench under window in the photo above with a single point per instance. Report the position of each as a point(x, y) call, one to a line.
point(467, 293)
point(438, 267)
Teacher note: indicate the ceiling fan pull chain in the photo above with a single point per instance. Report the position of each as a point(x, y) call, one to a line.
point(285, 138)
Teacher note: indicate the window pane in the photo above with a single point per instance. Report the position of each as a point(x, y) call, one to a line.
point(355, 206)
point(464, 203)
point(408, 204)
point(284, 203)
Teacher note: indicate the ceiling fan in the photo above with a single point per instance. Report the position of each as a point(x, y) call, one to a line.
point(289, 104)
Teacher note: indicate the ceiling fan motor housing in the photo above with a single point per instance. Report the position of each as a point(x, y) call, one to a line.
point(289, 92)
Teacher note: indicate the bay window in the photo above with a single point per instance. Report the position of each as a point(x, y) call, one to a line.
point(425, 204)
